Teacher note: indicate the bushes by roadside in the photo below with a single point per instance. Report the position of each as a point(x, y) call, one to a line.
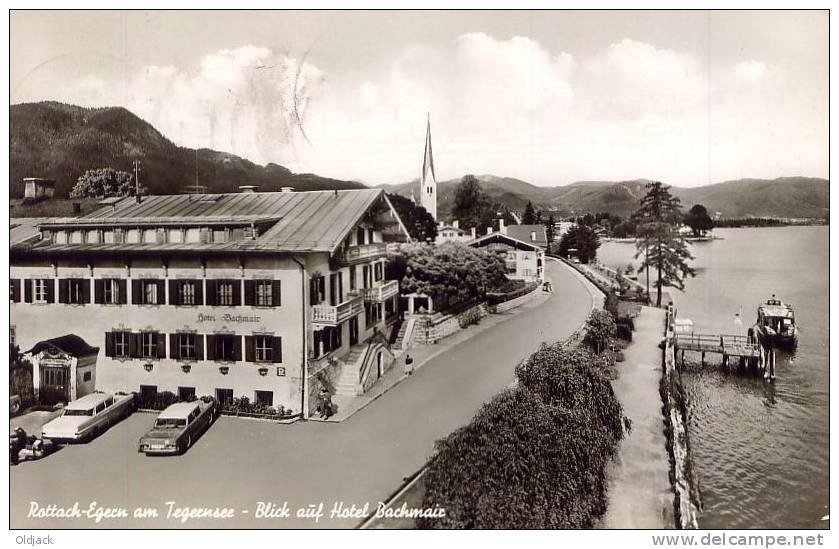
point(534, 456)
point(600, 330)
point(494, 298)
point(238, 406)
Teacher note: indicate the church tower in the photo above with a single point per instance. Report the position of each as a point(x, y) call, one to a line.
point(428, 181)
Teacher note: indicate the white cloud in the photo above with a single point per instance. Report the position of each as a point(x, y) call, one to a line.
point(632, 79)
point(750, 71)
point(245, 101)
point(503, 106)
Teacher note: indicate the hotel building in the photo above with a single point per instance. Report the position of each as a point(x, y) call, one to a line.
point(270, 296)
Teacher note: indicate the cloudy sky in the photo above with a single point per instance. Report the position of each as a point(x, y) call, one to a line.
point(688, 98)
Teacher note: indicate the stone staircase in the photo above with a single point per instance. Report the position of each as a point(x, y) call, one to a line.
point(347, 382)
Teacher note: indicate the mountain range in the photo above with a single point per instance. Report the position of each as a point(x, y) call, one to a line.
point(60, 142)
point(793, 197)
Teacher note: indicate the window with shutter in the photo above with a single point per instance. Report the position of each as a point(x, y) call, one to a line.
point(212, 289)
point(148, 344)
point(275, 293)
point(237, 348)
point(264, 348)
point(50, 282)
point(250, 292)
point(161, 345)
point(14, 290)
point(27, 290)
point(109, 344)
point(277, 349)
point(134, 345)
point(174, 347)
point(99, 291)
point(174, 294)
point(263, 293)
point(250, 352)
point(122, 285)
point(199, 346)
point(63, 290)
point(136, 292)
point(122, 342)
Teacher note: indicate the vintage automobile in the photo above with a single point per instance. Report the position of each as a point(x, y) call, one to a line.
point(87, 417)
point(178, 426)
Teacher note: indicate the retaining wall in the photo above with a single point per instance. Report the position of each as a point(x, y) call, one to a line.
point(687, 503)
point(513, 303)
point(430, 329)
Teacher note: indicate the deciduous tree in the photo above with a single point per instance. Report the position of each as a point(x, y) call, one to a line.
point(451, 273)
point(600, 330)
point(581, 238)
point(698, 220)
point(104, 182)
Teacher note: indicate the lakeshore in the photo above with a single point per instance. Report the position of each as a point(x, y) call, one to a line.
point(640, 494)
point(768, 469)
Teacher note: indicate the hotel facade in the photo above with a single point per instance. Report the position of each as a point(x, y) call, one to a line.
point(269, 296)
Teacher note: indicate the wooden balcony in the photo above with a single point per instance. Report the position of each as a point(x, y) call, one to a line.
point(382, 292)
point(334, 315)
point(359, 254)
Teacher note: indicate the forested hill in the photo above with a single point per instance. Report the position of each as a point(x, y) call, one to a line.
point(61, 142)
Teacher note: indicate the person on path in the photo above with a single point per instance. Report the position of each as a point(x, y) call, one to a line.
point(409, 364)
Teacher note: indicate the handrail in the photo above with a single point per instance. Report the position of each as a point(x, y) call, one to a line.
point(363, 370)
point(409, 332)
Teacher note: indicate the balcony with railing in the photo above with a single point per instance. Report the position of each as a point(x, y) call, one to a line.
point(380, 293)
point(354, 255)
point(333, 315)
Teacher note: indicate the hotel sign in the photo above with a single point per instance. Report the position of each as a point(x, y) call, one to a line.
point(227, 317)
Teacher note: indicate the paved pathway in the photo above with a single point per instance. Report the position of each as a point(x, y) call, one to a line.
point(640, 495)
point(240, 463)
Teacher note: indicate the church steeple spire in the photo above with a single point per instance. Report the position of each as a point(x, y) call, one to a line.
point(428, 179)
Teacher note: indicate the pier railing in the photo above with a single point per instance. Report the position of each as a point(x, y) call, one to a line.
point(723, 343)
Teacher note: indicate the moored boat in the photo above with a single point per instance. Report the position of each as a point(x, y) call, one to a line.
point(775, 326)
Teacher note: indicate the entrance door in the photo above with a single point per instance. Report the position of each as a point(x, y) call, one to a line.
point(55, 385)
point(379, 367)
point(354, 330)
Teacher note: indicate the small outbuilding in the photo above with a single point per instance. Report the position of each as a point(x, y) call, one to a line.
point(63, 369)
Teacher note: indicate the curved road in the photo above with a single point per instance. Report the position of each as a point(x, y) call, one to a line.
point(239, 463)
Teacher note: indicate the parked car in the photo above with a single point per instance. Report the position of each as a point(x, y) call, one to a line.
point(87, 417)
point(178, 426)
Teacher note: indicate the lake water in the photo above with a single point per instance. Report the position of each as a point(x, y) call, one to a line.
point(760, 450)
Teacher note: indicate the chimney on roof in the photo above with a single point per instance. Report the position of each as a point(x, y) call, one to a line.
point(248, 188)
point(501, 228)
point(456, 224)
point(489, 229)
point(473, 232)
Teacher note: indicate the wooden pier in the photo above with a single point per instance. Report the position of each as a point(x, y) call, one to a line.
point(747, 354)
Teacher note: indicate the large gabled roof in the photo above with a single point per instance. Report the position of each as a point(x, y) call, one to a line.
point(495, 237)
point(316, 221)
point(524, 233)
